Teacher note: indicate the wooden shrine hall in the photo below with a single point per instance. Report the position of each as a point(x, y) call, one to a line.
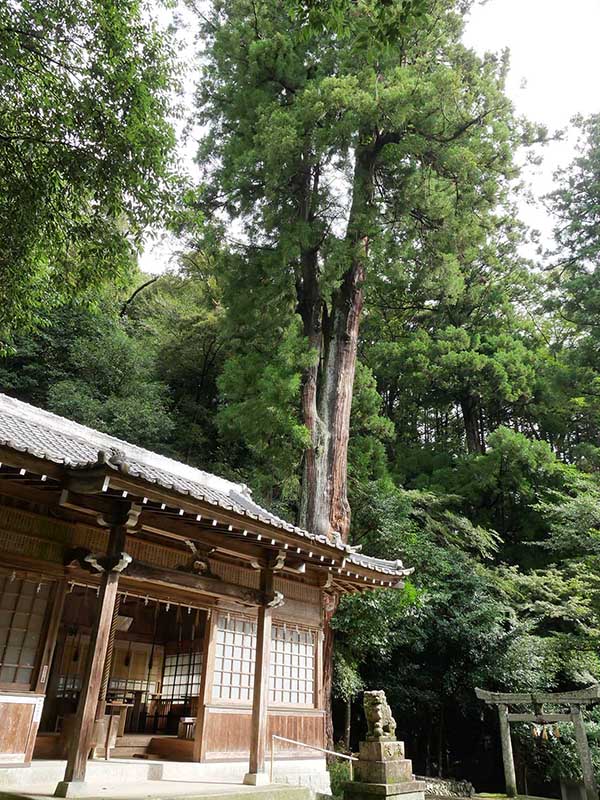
point(150, 609)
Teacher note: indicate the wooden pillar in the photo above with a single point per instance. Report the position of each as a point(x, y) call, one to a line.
point(52, 647)
point(58, 602)
point(81, 743)
point(256, 774)
point(589, 778)
point(507, 752)
point(206, 686)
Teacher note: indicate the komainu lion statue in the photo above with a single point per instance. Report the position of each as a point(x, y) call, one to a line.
point(381, 724)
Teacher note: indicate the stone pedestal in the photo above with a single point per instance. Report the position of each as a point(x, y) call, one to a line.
point(382, 772)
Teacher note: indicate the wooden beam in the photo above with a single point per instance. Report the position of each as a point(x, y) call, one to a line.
point(589, 695)
point(540, 719)
point(80, 744)
point(170, 526)
point(256, 774)
point(507, 752)
point(185, 580)
point(108, 660)
point(89, 481)
point(181, 529)
point(49, 496)
point(141, 488)
point(98, 480)
point(52, 627)
point(206, 686)
point(583, 748)
point(173, 526)
point(91, 505)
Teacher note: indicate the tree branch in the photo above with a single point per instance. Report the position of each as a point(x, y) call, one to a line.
point(130, 300)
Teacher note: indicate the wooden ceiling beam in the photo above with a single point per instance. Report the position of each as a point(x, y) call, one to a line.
point(184, 580)
point(183, 531)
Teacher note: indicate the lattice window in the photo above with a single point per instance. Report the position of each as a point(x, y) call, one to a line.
point(235, 652)
point(181, 676)
point(292, 676)
point(292, 673)
point(68, 686)
point(23, 607)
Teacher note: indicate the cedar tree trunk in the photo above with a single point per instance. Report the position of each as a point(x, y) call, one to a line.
point(332, 331)
point(331, 328)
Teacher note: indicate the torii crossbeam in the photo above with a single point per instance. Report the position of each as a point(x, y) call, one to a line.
point(574, 700)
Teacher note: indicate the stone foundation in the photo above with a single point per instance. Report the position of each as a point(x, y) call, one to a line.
point(447, 787)
point(382, 771)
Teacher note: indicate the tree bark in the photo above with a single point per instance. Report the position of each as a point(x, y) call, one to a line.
point(441, 741)
point(469, 406)
point(332, 331)
point(348, 723)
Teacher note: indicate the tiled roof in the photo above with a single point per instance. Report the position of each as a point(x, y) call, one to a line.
point(32, 430)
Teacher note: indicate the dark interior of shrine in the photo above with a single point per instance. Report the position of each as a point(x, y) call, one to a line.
point(155, 666)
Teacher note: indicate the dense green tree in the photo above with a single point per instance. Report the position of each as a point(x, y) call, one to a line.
point(181, 321)
point(84, 364)
point(319, 151)
point(85, 147)
point(575, 204)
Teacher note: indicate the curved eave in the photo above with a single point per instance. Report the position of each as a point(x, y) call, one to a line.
point(79, 459)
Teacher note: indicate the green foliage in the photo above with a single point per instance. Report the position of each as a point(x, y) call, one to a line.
point(339, 773)
point(475, 428)
point(100, 375)
point(181, 321)
point(318, 141)
point(575, 204)
point(557, 756)
point(84, 147)
point(347, 682)
point(261, 410)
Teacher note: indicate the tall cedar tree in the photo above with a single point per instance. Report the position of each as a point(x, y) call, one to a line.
point(319, 146)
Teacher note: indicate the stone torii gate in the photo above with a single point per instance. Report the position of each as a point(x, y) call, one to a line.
point(574, 700)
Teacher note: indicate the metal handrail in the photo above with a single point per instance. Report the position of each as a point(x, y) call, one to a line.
point(310, 747)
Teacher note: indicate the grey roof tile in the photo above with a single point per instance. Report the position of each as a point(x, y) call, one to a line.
point(32, 430)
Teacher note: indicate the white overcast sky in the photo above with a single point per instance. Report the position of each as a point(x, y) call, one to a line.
point(555, 74)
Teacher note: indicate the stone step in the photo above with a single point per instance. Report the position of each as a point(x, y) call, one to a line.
point(123, 752)
point(135, 740)
point(405, 790)
point(156, 789)
point(126, 772)
point(53, 771)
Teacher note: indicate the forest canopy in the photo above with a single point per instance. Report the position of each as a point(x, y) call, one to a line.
point(85, 147)
point(352, 261)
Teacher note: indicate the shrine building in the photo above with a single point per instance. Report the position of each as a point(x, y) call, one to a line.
point(153, 611)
